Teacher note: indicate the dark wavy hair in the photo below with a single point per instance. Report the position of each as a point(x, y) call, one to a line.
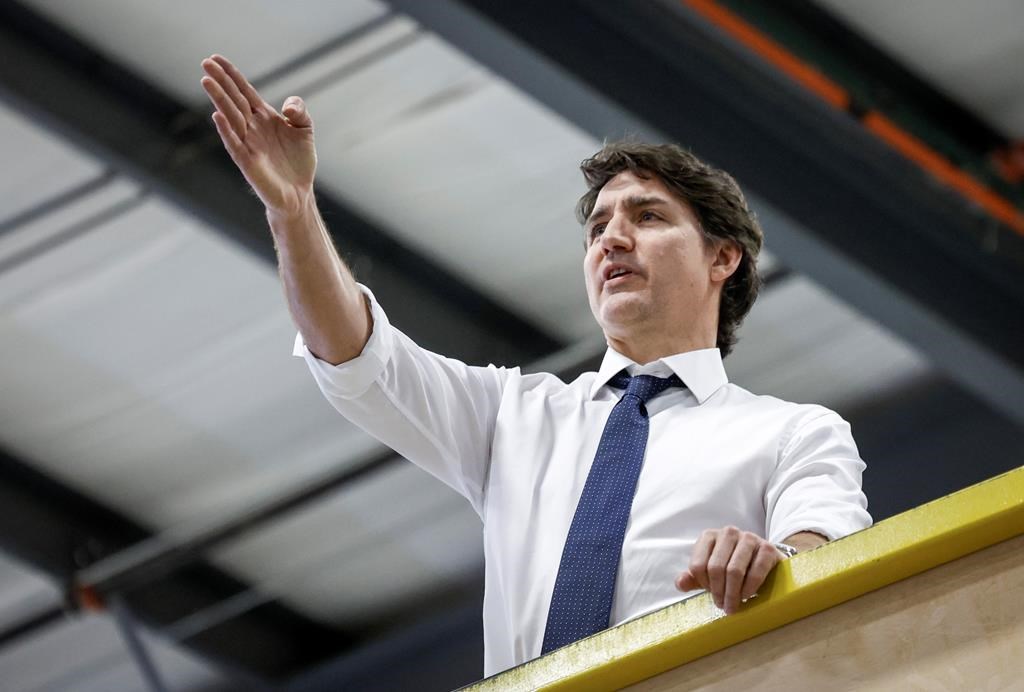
point(715, 199)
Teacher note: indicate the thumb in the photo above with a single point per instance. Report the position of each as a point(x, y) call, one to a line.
point(687, 582)
point(294, 110)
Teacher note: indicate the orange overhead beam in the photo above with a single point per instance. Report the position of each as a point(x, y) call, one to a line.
point(773, 52)
point(940, 167)
point(878, 124)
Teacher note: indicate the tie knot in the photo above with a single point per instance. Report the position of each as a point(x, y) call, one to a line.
point(644, 387)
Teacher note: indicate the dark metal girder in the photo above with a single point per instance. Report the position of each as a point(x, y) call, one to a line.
point(59, 531)
point(614, 107)
point(839, 205)
point(896, 83)
point(157, 557)
point(67, 85)
point(26, 626)
point(169, 582)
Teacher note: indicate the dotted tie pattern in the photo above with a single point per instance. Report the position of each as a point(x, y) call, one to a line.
point(581, 604)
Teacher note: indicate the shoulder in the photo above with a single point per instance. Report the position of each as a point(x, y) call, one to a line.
point(733, 395)
point(789, 419)
point(549, 385)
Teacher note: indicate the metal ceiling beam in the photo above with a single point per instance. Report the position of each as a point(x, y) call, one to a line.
point(623, 116)
point(87, 546)
point(928, 440)
point(66, 85)
point(442, 652)
point(161, 555)
point(60, 531)
point(895, 83)
point(838, 205)
point(62, 83)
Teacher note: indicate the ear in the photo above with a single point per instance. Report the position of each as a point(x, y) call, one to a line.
point(726, 259)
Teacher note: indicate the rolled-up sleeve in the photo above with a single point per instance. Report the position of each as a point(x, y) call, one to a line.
point(354, 377)
point(817, 483)
point(437, 412)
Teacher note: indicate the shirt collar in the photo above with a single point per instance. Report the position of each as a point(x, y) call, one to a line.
point(701, 371)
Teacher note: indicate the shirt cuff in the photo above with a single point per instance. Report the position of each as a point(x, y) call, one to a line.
point(829, 531)
point(353, 377)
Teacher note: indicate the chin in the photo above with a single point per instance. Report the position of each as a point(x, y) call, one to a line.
point(620, 312)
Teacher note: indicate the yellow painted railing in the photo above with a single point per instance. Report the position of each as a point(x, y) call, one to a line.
point(901, 546)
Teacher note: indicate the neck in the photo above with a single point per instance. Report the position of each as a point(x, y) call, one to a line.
point(651, 337)
point(643, 351)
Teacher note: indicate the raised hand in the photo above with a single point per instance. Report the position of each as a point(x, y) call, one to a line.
point(274, 151)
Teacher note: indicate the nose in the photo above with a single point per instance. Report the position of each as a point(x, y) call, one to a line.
point(617, 235)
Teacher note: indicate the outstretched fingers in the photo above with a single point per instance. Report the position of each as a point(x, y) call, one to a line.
point(234, 118)
point(247, 90)
point(217, 72)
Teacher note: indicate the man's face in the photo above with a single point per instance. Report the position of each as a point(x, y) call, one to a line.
point(647, 265)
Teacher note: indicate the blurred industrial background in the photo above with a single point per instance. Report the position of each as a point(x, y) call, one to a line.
point(180, 509)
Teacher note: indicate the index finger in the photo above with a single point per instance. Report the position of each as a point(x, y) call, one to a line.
point(699, 557)
point(248, 90)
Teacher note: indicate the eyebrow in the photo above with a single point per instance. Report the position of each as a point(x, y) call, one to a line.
point(632, 202)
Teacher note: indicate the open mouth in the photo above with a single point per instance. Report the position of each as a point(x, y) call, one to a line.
point(616, 276)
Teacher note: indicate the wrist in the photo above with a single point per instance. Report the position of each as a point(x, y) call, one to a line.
point(302, 208)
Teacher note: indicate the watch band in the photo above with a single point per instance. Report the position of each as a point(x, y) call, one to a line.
point(787, 550)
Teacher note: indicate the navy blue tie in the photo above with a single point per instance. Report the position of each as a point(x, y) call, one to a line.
point(581, 604)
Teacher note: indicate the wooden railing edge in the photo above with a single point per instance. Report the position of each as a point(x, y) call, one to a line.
point(899, 547)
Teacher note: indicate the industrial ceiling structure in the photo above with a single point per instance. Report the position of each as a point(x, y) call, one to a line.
point(180, 509)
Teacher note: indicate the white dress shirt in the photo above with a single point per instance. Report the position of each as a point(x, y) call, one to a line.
point(519, 448)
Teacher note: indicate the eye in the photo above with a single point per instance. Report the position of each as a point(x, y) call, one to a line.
point(648, 216)
point(596, 230)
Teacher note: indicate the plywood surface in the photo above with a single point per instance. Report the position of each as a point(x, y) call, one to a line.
point(959, 626)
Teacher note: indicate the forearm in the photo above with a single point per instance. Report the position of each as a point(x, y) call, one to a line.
point(805, 540)
point(326, 304)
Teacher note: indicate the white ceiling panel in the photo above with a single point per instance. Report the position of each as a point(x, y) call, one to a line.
point(972, 51)
point(392, 537)
point(423, 140)
point(45, 168)
point(449, 158)
point(463, 168)
point(844, 357)
point(88, 654)
point(24, 592)
point(400, 85)
point(259, 34)
point(143, 350)
point(346, 60)
point(61, 223)
point(369, 586)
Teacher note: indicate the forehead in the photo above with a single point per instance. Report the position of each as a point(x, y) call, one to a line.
point(628, 184)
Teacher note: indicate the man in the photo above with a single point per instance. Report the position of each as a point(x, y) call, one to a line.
point(592, 500)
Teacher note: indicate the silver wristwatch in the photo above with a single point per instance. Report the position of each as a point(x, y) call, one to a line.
point(787, 550)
